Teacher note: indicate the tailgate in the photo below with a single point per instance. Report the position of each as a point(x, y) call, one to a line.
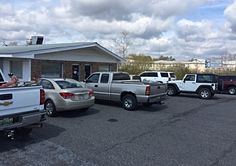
point(158, 89)
point(20, 99)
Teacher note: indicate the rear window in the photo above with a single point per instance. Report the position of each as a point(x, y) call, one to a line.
point(121, 76)
point(164, 74)
point(67, 84)
point(206, 78)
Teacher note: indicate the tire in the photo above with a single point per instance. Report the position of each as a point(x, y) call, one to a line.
point(232, 90)
point(171, 91)
point(129, 102)
point(50, 108)
point(205, 93)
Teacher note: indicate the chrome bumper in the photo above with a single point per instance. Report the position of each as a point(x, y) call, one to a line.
point(34, 118)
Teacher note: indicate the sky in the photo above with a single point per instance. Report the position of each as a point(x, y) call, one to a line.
point(183, 29)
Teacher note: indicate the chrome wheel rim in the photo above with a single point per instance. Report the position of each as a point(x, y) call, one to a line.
point(128, 103)
point(170, 91)
point(204, 94)
point(49, 108)
point(232, 91)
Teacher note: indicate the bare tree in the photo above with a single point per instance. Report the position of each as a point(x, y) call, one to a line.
point(123, 44)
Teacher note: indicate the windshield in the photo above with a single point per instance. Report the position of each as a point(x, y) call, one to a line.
point(67, 84)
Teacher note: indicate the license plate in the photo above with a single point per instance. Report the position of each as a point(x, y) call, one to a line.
point(82, 97)
point(6, 121)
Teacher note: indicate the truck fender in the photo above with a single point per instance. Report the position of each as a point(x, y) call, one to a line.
point(125, 93)
point(174, 85)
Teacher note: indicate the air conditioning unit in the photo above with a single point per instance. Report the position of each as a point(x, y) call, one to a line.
point(35, 40)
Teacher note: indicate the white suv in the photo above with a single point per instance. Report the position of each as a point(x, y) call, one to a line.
point(157, 76)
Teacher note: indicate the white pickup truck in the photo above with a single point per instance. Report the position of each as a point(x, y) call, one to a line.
point(21, 108)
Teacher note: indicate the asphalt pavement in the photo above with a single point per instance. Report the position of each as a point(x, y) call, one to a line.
point(185, 131)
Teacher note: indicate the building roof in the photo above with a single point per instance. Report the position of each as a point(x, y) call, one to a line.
point(28, 51)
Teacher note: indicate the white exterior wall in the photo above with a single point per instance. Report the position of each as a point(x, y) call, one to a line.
point(6, 68)
point(83, 55)
point(26, 70)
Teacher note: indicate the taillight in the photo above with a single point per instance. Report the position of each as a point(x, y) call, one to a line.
point(91, 93)
point(67, 95)
point(148, 90)
point(42, 96)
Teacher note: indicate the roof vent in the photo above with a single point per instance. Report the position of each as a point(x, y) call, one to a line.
point(35, 40)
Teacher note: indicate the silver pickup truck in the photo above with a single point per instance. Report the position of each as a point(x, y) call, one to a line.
point(117, 86)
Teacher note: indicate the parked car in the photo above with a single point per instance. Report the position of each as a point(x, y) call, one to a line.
point(157, 76)
point(117, 86)
point(205, 85)
point(227, 84)
point(65, 94)
point(21, 108)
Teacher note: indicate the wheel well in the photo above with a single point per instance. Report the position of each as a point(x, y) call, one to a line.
point(50, 100)
point(201, 87)
point(126, 93)
point(174, 86)
point(230, 86)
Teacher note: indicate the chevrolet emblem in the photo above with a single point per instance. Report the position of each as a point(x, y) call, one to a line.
point(6, 103)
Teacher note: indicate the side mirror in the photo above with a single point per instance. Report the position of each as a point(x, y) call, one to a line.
point(184, 80)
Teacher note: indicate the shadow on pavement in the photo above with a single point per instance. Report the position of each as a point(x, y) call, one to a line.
point(77, 113)
point(195, 96)
point(153, 108)
point(38, 135)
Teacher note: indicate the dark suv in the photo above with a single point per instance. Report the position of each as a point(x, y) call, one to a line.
point(227, 84)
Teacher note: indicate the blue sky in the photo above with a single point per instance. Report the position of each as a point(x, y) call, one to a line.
point(179, 28)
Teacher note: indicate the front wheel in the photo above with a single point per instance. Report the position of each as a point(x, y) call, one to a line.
point(205, 93)
point(50, 108)
point(232, 90)
point(129, 102)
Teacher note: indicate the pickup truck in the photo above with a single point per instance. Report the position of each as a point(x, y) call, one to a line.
point(21, 108)
point(227, 84)
point(205, 85)
point(117, 86)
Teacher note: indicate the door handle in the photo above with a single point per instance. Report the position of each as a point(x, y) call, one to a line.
point(193, 82)
point(95, 85)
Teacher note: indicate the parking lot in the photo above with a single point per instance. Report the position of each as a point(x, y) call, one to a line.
point(185, 130)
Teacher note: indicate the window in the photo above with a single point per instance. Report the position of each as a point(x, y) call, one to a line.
point(67, 85)
point(104, 78)
point(206, 78)
point(172, 75)
point(46, 84)
point(93, 78)
point(51, 70)
point(164, 74)
point(190, 78)
point(121, 76)
point(16, 67)
point(104, 68)
point(149, 74)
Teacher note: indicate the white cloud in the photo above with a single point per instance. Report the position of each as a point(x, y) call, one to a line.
point(155, 27)
point(231, 16)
